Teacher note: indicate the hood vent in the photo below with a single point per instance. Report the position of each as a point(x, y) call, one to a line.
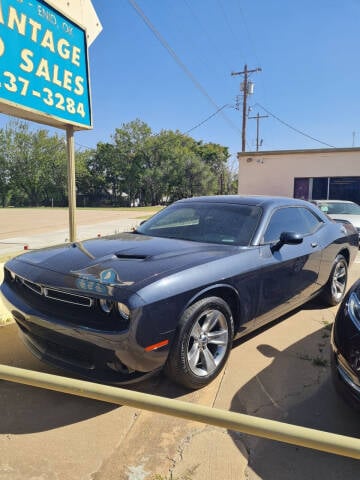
point(128, 256)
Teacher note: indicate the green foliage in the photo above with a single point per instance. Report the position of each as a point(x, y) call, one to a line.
point(34, 165)
point(188, 475)
point(135, 168)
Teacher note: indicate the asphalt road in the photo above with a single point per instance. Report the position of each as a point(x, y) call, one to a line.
point(46, 435)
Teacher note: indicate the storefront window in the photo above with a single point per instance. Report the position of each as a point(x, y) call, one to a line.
point(326, 188)
point(320, 188)
point(301, 188)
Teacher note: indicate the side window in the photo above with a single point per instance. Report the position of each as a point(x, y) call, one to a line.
point(290, 219)
point(313, 222)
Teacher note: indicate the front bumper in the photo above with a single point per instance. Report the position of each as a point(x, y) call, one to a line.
point(106, 356)
point(345, 381)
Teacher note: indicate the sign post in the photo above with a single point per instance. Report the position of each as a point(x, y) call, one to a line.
point(70, 144)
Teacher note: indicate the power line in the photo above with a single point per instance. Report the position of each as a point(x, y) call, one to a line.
point(293, 128)
point(169, 140)
point(159, 133)
point(206, 119)
point(230, 28)
point(214, 44)
point(84, 146)
point(177, 59)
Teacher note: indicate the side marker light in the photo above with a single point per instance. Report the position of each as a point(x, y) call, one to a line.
point(155, 346)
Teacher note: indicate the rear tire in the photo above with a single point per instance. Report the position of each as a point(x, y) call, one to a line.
point(335, 288)
point(202, 343)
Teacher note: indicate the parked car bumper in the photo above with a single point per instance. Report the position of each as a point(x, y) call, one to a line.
point(106, 356)
point(344, 381)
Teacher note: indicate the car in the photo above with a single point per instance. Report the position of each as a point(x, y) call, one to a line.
point(174, 293)
point(341, 210)
point(345, 348)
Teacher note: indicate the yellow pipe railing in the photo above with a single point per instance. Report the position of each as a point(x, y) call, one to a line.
point(274, 430)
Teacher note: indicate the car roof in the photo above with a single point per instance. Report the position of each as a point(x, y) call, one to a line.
point(255, 200)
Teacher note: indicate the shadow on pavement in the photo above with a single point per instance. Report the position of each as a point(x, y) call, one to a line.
point(296, 388)
point(26, 409)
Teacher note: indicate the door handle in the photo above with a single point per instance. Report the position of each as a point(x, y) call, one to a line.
point(314, 244)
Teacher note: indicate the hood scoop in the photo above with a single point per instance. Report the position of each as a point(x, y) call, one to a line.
point(129, 256)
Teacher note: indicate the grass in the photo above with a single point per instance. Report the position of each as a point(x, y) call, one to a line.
point(327, 325)
point(80, 207)
point(188, 475)
point(317, 361)
point(320, 362)
point(5, 320)
point(121, 209)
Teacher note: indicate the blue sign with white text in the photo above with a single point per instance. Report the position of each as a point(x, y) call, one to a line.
point(43, 63)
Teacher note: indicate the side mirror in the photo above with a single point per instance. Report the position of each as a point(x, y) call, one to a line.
point(287, 238)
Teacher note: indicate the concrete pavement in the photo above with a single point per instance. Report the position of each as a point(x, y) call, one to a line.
point(60, 235)
point(47, 435)
point(280, 373)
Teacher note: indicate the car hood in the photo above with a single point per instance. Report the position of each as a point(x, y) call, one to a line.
point(127, 260)
point(354, 219)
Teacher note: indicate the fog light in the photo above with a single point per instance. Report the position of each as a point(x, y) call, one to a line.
point(106, 305)
point(123, 310)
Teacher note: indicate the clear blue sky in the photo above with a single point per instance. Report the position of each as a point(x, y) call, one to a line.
point(308, 52)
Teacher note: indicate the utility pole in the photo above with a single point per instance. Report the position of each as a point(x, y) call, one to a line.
point(246, 88)
point(258, 116)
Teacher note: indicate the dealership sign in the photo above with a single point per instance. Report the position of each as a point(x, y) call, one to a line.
point(43, 65)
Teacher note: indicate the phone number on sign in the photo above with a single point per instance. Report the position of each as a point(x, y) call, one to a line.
point(20, 84)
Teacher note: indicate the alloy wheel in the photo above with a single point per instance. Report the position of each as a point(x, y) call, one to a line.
point(208, 341)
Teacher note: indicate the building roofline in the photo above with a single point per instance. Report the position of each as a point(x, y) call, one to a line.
point(290, 152)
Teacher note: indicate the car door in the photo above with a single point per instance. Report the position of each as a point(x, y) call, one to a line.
point(289, 274)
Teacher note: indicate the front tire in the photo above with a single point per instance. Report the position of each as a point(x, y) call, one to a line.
point(202, 343)
point(335, 288)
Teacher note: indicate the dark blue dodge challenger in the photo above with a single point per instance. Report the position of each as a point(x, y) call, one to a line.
point(174, 293)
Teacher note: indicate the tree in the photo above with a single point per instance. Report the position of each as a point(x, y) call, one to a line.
point(5, 178)
point(37, 163)
point(131, 141)
point(135, 166)
point(216, 157)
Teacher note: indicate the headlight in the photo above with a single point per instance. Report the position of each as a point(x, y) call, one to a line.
point(353, 306)
point(9, 274)
point(123, 311)
point(106, 305)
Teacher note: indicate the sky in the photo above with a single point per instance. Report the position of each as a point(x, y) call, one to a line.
point(177, 74)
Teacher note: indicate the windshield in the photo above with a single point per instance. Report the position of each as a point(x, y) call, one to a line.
point(334, 208)
point(205, 222)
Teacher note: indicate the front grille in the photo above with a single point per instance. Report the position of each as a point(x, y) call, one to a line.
point(64, 306)
point(68, 297)
point(33, 286)
point(56, 294)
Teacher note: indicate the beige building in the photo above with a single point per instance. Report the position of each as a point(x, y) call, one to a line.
point(310, 174)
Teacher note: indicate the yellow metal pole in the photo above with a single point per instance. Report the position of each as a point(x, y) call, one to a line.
point(70, 148)
point(271, 429)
